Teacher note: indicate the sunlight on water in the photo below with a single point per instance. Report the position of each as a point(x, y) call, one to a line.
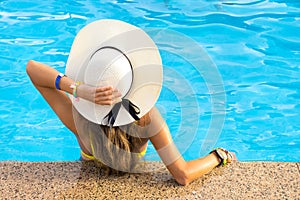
point(255, 45)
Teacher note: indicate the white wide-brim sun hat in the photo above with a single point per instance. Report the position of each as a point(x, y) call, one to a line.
point(114, 53)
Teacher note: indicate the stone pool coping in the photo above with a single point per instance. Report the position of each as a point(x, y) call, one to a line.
point(83, 180)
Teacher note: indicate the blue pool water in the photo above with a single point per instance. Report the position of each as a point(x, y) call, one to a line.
point(231, 73)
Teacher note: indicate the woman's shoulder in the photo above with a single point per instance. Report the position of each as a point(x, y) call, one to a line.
point(143, 121)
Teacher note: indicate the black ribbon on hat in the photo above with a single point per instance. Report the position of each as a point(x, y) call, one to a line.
point(132, 109)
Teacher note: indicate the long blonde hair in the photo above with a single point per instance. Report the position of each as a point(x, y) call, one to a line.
point(114, 148)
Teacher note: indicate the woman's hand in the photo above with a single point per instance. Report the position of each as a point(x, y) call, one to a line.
point(105, 95)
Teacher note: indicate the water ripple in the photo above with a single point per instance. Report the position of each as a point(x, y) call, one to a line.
point(26, 42)
point(251, 3)
point(254, 43)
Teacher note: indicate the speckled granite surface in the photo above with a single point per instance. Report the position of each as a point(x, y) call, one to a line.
point(83, 180)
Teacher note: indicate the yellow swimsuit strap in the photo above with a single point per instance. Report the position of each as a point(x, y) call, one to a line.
point(86, 156)
point(89, 157)
point(142, 154)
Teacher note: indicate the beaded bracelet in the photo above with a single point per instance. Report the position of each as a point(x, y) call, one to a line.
point(74, 87)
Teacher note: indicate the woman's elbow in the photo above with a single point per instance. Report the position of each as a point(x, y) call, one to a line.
point(29, 67)
point(182, 178)
point(182, 182)
point(180, 171)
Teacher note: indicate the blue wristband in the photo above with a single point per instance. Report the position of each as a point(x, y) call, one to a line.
point(57, 80)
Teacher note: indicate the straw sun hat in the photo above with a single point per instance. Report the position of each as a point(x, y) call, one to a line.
point(115, 53)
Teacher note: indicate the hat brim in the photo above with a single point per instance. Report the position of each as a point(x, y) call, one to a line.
point(140, 50)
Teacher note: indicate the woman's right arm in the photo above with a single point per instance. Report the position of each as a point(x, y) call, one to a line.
point(183, 171)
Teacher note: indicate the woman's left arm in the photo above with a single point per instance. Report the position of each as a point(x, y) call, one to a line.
point(44, 76)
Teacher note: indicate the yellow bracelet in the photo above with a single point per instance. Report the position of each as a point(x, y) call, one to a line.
point(74, 87)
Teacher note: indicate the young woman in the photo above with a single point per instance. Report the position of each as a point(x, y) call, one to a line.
point(43, 77)
point(118, 147)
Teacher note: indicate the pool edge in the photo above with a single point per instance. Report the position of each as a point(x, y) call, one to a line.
point(83, 180)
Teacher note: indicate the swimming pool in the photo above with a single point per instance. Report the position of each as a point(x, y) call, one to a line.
point(245, 97)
